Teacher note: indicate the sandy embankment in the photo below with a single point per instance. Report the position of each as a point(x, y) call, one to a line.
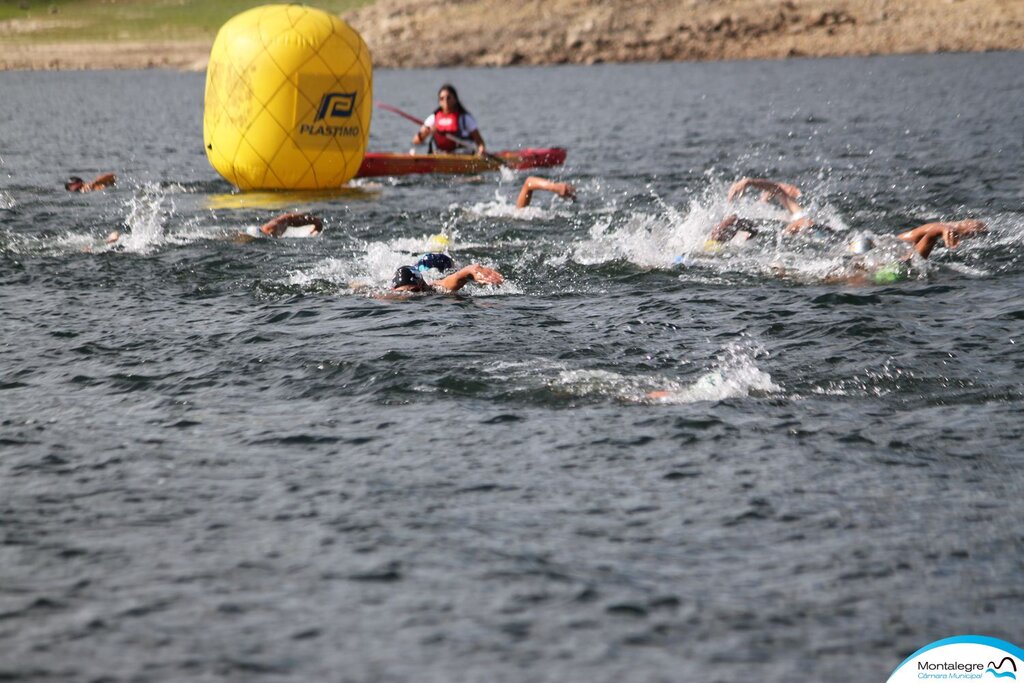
point(423, 33)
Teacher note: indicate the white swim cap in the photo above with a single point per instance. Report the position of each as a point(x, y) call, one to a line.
point(861, 245)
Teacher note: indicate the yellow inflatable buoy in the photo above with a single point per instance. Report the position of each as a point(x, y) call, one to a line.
point(289, 94)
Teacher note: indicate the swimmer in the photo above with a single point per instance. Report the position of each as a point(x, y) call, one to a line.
point(100, 182)
point(534, 183)
point(275, 227)
point(922, 240)
point(408, 280)
point(733, 227)
point(435, 261)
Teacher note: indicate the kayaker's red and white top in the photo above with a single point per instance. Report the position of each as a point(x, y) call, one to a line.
point(457, 125)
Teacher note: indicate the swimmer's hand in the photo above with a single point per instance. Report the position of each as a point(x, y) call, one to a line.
point(566, 191)
point(738, 188)
point(770, 189)
point(482, 275)
point(951, 236)
point(962, 228)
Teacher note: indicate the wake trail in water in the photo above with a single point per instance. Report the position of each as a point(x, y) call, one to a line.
point(733, 374)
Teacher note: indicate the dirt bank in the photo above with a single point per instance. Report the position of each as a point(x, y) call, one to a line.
point(421, 33)
point(404, 33)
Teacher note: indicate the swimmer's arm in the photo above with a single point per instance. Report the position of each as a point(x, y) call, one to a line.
point(533, 183)
point(784, 193)
point(481, 275)
point(276, 226)
point(920, 239)
point(102, 181)
point(799, 224)
point(924, 237)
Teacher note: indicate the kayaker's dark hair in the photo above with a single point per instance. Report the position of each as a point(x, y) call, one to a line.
point(451, 88)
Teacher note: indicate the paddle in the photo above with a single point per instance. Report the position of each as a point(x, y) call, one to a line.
point(457, 141)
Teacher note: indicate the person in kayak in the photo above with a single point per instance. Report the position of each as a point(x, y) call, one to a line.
point(534, 183)
point(409, 280)
point(451, 128)
point(100, 182)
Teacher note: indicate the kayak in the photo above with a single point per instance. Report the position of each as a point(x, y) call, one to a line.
point(392, 164)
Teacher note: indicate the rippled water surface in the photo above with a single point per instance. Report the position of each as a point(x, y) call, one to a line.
point(232, 461)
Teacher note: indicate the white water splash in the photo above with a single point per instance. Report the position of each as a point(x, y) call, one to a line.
point(651, 240)
point(734, 375)
point(372, 270)
point(543, 207)
point(146, 218)
point(6, 201)
point(677, 238)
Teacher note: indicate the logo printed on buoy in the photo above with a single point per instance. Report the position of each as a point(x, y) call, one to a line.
point(335, 115)
point(336, 104)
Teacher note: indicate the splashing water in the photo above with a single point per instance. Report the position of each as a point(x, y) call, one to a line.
point(734, 375)
point(370, 270)
point(146, 218)
point(871, 382)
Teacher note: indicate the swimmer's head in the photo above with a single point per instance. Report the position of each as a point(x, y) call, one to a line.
point(861, 245)
point(408, 279)
point(441, 262)
point(74, 184)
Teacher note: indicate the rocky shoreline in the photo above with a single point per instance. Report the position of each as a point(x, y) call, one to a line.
point(439, 33)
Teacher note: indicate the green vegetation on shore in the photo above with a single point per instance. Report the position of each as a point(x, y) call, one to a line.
point(30, 21)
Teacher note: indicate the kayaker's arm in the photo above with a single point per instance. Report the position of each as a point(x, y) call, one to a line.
point(422, 135)
point(481, 146)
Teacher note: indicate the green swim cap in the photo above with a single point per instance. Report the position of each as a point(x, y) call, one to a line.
point(886, 275)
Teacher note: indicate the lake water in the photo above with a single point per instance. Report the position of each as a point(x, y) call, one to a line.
point(220, 461)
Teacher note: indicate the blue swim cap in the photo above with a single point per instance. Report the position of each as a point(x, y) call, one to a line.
point(441, 262)
point(407, 275)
